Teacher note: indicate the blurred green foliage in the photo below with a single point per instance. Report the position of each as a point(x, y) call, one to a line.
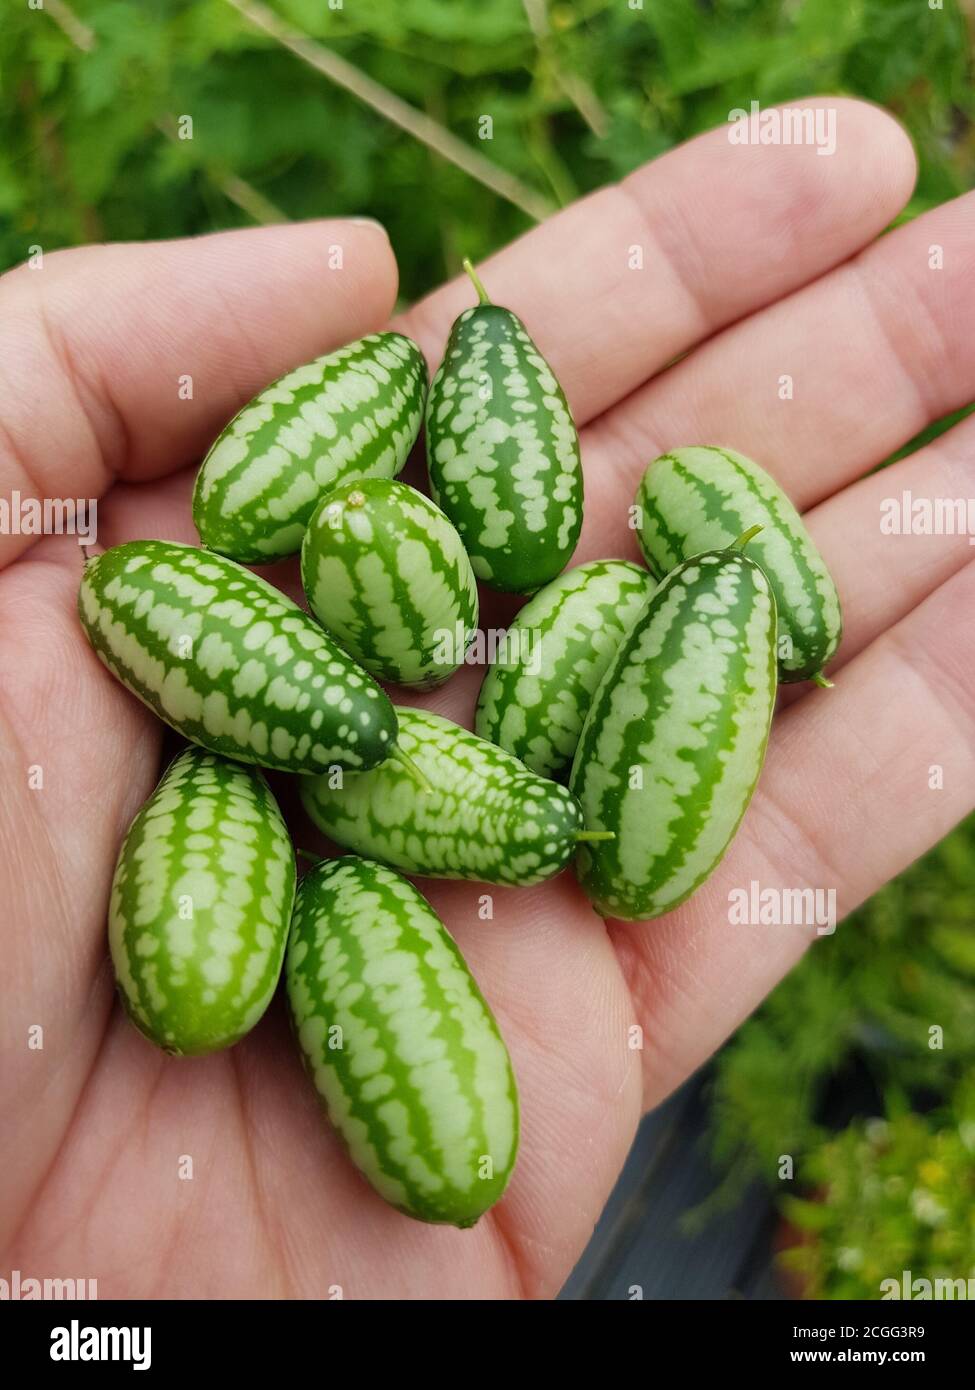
point(869, 993)
point(578, 94)
point(894, 1195)
point(855, 1020)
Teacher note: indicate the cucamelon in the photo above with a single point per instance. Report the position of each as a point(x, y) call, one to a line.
point(229, 661)
point(387, 574)
point(400, 1044)
point(485, 815)
point(674, 742)
point(701, 498)
point(200, 905)
point(355, 413)
point(502, 450)
point(536, 695)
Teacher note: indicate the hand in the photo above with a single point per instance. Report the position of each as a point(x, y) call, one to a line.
point(758, 263)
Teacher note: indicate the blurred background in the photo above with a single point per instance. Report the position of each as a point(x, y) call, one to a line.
point(303, 108)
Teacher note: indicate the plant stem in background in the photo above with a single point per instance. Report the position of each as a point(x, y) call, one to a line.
point(575, 87)
point(77, 31)
point(394, 109)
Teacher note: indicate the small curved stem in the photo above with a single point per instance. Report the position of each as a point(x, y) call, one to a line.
point(307, 854)
point(411, 769)
point(482, 293)
point(588, 837)
point(822, 681)
point(745, 537)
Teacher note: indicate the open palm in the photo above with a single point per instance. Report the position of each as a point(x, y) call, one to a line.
point(756, 266)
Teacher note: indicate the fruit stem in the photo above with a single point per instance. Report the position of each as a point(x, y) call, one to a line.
point(822, 681)
point(745, 537)
point(589, 837)
point(410, 767)
point(307, 854)
point(482, 293)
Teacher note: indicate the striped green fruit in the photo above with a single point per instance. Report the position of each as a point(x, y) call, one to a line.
point(353, 414)
point(485, 817)
point(389, 577)
point(400, 1044)
point(229, 661)
point(536, 695)
point(200, 906)
point(702, 498)
point(502, 450)
point(674, 741)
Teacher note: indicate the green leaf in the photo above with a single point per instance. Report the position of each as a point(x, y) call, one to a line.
point(806, 1215)
point(678, 28)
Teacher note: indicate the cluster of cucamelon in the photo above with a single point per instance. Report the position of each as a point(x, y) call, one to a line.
point(626, 731)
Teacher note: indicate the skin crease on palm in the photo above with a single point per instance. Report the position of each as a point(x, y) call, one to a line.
point(758, 262)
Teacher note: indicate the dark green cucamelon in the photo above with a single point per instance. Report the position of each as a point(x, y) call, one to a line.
point(200, 905)
point(502, 450)
point(400, 1043)
point(387, 574)
point(355, 413)
point(674, 741)
point(536, 695)
point(485, 817)
point(701, 498)
point(229, 661)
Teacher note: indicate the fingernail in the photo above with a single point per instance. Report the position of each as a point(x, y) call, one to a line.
point(369, 222)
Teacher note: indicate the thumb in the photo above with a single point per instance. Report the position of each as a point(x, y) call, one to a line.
point(126, 360)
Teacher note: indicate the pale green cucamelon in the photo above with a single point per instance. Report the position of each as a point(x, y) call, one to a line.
point(485, 815)
point(536, 695)
point(387, 574)
point(674, 741)
point(229, 661)
point(502, 450)
point(701, 498)
point(400, 1043)
point(355, 413)
point(200, 905)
